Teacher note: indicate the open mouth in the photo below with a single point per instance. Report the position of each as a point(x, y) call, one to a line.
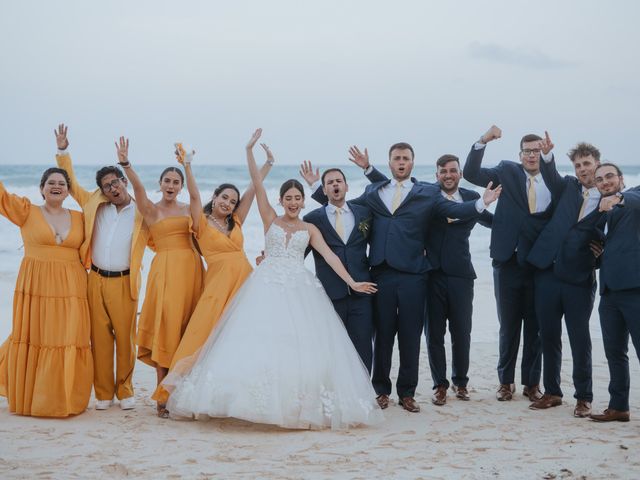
point(336, 191)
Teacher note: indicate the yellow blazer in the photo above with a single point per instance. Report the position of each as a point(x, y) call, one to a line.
point(89, 202)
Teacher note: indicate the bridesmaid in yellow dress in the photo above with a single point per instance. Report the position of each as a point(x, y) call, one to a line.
point(46, 368)
point(175, 280)
point(218, 229)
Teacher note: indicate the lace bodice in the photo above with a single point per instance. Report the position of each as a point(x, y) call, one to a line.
point(278, 244)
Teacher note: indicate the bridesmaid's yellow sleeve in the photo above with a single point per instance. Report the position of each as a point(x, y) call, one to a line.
point(15, 208)
point(78, 193)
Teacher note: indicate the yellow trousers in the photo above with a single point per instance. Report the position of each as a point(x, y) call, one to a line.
point(113, 318)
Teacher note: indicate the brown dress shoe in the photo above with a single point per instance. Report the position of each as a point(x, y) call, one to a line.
point(439, 396)
point(409, 404)
point(610, 415)
point(461, 392)
point(383, 401)
point(547, 401)
point(533, 393)
point(583, 409)
point(505, 392)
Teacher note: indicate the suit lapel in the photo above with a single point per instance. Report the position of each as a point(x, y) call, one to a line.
point(412, 193)
point(326, 224)
point(356, 221)
point(522, 188)
point(376, 202)
point(137, 226)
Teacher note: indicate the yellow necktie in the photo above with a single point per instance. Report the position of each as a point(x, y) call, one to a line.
point(397, 197)
point(585, 199)
point(339, 224)
point(450, 197)
point(531, 195)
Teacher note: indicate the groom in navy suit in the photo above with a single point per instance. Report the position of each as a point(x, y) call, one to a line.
point(401, 210)
point(345, 227)
point(522, 212)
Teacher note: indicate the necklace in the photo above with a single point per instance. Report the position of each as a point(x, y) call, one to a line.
point(224, 227)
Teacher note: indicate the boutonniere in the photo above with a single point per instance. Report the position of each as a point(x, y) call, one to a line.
point(364, 227)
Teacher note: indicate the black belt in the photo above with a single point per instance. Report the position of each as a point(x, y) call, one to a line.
point(108, 274)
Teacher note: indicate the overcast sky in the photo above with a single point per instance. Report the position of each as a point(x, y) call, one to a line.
point(316, 76)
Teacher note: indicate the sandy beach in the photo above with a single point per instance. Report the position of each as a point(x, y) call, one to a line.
point(477, 439)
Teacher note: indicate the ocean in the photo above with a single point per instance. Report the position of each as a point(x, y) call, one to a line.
point(24, 180)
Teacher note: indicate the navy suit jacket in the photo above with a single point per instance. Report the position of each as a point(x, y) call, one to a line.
point(353, 254)
point(620, 261)
point(398, 239)
point(564, 241)
point(447, 243)
point(514, 229)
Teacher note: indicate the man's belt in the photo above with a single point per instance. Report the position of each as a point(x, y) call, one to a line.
point(109, 274)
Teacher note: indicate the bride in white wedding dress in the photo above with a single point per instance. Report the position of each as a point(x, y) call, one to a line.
point(280, 354)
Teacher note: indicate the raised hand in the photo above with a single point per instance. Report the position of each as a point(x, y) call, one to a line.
point(61, 136)
point(359, 158)
point(122, 150)
point(546, 145)
point(489, 196)
point(597, 247)
point(492, 134)
point(254, 139)
point(184, 153)
point(267, 150)
point(364, 287)
point(306, 171)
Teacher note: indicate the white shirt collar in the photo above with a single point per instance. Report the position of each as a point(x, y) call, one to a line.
point(405, 183)
point(456, 195)
point(332, 208)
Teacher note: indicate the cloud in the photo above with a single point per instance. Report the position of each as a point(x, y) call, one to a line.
point(517, 56)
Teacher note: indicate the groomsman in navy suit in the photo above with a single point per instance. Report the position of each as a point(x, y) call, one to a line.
point(522, 212)
point(345, 227)
point(450, 285)
point(619, 285)
point(564, 281)
point(401, 210)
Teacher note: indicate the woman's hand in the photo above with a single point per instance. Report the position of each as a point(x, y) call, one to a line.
point(363, 287)
point(61, 136)
point(254, 139)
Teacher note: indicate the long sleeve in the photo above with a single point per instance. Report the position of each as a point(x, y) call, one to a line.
point(78, 193)
point(475, 173)
point(16, 209)
point(552, 179)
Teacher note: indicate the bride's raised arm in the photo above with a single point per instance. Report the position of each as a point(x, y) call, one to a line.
point(247, 197)
point(317, 242)
point(267, 213)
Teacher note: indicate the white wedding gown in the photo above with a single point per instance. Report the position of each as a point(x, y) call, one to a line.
point(280, 354)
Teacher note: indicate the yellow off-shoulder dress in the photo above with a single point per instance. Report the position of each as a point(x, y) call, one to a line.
point(46, 368)
point(227, 269)
point(174, 286)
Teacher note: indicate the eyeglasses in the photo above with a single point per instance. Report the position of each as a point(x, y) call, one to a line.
point(112, 185)
point(608, 176)
point(530, 151)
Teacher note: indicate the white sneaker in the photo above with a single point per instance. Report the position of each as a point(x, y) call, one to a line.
point(103, 404)
point(128, 403)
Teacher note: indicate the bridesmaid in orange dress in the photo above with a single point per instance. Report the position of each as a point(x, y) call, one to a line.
point(176, 276)
point(46, 368)
point(218, 229)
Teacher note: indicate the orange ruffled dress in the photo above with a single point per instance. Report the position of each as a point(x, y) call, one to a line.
point(227, 269)
point(46, 368)
point(173, 289)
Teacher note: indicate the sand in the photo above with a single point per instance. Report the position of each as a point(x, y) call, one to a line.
point(481, 438)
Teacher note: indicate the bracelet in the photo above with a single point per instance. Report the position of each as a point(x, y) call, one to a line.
point(270, 161)
point(125, 164)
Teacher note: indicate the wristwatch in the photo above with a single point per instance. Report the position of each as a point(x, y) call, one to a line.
point(621, 197)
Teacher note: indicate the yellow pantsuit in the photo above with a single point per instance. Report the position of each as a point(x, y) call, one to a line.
point(113, 318)
point(113, 302)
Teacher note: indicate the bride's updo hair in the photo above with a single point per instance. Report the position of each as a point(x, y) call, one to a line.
point(289, 184)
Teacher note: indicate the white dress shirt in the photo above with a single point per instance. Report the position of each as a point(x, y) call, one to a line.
point(348, 220)
point(112, 236)
point(388, 191)
point(592, 201)
point(543, 195)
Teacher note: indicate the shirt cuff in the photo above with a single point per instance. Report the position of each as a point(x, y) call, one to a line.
point(480, 205)
point(316, 185)
point(547, 157)
point(368, 170)
point(479, 145)
point(63, 152)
